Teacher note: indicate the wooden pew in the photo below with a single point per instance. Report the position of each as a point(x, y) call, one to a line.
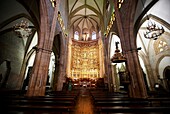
point(58, 93)
point(141, 101)
point(132, 110)
point(22, 100)
point(40, 103)
point(106, 103)
point(14, 102)
point(99, 94)
point(64, 103)
point(117, 99)
point(99, 97)
point(113, 101)
point(33, 109)
point(159, 101)
point(49, 98)
point(36, 105)
point(64, 94)
point(121, 103)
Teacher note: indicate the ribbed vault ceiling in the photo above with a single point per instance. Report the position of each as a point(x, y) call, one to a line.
point(85, 13)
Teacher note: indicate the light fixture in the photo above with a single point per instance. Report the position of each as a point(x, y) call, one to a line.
point(153, 30)
point(53, 2)
point(120, 2)
point(22, 29)
point(61, 22)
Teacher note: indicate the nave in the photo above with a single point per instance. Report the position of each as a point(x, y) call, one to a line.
point(81, 101)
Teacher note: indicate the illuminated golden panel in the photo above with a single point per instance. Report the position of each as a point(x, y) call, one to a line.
point(85, 60)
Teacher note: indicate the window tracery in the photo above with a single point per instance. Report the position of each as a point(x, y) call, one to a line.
point(160, 45)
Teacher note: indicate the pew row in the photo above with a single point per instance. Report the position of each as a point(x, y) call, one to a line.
point(132, 110)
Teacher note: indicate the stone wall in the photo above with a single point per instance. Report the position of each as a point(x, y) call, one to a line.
point(12, 50)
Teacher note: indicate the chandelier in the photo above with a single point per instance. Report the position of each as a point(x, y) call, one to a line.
point(22, 29)
point(153, 31)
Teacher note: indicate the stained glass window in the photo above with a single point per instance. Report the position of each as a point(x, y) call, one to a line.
point(76, 35)
point(93, 35)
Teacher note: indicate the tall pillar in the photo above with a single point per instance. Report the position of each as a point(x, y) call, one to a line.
point(137, 88)
point(116, 82)
point(125, 26)
point(69, 59)
point(105, 61)
point(37, 83)
point(39, 74)
point(101, 56)
point(61, 76)
point(111, 78)
point(65, 58)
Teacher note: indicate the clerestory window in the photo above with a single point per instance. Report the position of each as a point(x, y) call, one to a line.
point(76, 35)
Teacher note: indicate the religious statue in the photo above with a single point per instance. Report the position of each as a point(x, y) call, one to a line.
point(117, 57)
point(116, 43)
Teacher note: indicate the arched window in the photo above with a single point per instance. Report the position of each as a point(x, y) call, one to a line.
point(76, 35)
point(93, 35)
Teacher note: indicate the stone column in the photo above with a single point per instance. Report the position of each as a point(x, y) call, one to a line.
point(137, 88)
point(62, 71)
point(111, 78)
point(107, 64)
point(56, 73)
point(125, 26)
point(65, 58)
point(101, 61)
point(39, 74)
point(116, 82)
point(69, 59)
point(37, 83)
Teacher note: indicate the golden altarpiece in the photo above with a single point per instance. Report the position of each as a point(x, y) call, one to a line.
point(85, 60)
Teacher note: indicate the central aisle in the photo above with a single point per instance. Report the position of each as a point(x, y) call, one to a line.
point(84, 103)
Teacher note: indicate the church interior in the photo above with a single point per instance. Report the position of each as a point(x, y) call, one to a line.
point(85, 56)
